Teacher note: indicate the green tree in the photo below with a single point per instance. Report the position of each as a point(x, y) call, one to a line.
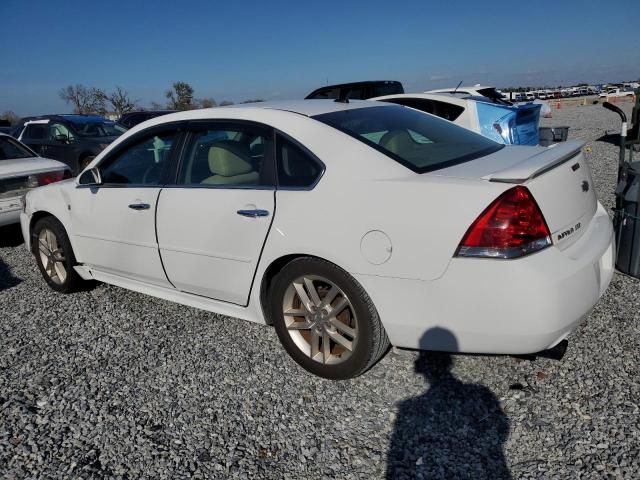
point(180, 96)
point(10, 116)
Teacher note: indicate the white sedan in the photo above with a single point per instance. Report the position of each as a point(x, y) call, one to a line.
point(346, 226)
point(22, 169)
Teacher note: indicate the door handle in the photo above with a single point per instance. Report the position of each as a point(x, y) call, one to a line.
point(253, 213)
point(140, 206)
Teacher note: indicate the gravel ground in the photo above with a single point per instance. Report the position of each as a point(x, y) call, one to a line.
point(112, 384)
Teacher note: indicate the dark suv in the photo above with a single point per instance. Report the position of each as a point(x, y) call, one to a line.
point(71, 139)
point(131, 119)
point(358, 90)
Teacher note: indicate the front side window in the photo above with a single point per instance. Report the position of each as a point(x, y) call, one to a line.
point(59, 131)
point(420, 142)
point(12, 150)
point(143, 163)
point(227, 156)
point(296, 168)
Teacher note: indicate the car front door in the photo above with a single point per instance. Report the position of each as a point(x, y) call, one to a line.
point(114, 222)
point(212, 224)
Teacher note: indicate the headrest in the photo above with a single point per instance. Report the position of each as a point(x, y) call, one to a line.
point(397, 141)
point(228, 158)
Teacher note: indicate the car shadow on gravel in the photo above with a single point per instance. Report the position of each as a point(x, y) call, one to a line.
point(7, 279)
point(10, 236)
point(452, 430)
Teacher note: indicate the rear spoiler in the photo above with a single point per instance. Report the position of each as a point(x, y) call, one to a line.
point(536, 165)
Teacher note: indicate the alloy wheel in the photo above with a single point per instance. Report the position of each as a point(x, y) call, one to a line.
point(52, 256)
point(320, 319)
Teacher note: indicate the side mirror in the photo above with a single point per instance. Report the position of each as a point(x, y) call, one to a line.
point(90, 177)
point(62, 138)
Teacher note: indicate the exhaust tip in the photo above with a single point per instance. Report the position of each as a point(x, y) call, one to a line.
point(556, 352)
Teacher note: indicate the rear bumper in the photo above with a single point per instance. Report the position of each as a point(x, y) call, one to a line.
point(10, 211)
point(500, 306)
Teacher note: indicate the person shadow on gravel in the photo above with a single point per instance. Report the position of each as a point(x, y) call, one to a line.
point(7, 279)
point(453, 430)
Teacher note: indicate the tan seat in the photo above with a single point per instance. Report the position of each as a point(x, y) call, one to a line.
point(397, 141)
point(229, 165)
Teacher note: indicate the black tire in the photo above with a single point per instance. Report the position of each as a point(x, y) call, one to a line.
point(73, 281)
point(372, 341)
point(84, 162)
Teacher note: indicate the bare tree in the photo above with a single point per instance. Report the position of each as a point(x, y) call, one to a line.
point(156, 106)
point(208, 102)
point(84, 99)
point(180, 96)
point(10, 116)
point(224, 103)
point(121, 102)
point(253, 100)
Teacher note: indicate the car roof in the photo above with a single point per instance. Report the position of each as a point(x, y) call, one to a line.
point(469, 87)
point(308, 108)
point(72, 117)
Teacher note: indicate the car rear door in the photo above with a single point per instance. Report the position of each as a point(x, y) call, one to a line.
point(213, 222)
point(114, 222)
point(35, 134)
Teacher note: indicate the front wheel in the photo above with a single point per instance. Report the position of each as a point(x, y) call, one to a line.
point(54, 255)
point(325, 320)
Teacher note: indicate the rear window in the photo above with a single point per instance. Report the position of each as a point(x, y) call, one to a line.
point(420, 142)
point(12, 150)
point(444, 110)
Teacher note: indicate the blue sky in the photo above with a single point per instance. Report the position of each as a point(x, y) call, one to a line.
point(284, 49)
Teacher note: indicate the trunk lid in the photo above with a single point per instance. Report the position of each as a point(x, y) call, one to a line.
point(559, 178)
point(28, 166)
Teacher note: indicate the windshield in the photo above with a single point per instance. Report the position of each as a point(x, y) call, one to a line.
point(104, 128)
point(11, 150)
point(417, 140)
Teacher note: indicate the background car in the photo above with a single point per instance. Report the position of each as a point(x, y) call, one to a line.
point(131, 119)
point(499, 121)
point(21, 169)
point(346, 226)
point(485, 91)
point(357, 90)
point(72, 139)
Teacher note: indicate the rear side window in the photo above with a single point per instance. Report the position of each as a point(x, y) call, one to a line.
point(296, 168)
point(440, 109)
point(420, 142)
point(36, 131)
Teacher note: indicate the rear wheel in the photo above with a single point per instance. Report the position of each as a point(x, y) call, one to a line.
point(325, 320)
point(54, 255)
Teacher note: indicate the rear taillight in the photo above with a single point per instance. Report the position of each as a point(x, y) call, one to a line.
point(512, 226)
point(40, 179)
